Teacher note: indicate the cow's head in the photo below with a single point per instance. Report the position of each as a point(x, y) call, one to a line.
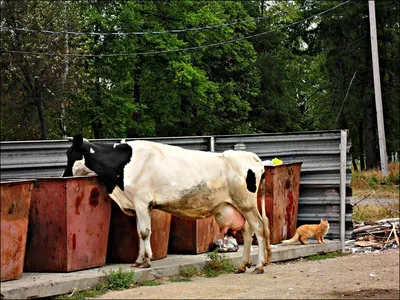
point(75, 158)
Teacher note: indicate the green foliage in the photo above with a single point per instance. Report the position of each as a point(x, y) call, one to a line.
point(150, 283)
point(118, 280)
point(217, 263)
point(373, 180)
point(189, 271)
point(326, 255)
point(96, 291)
point(281, 80)
point(180, 279)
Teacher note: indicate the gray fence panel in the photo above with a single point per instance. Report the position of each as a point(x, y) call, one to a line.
point(320, 172)
point(318, 151)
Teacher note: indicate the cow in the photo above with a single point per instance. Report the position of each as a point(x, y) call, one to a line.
point(141, 175)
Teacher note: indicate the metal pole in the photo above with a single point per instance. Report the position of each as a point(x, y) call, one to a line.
point(212, 144)
point(343, 169)
point(377, 88)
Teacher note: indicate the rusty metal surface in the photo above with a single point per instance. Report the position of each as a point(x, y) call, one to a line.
point(15, 202)
point(68, 225)
point(193, 236)
point(281, 199)
point(123, 243)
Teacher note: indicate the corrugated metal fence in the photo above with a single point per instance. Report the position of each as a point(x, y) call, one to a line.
point(319, 151)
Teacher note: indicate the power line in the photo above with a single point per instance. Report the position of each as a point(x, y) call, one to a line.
point(154, 32)
point(173, 50)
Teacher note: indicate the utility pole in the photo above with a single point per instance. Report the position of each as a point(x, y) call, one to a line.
point(377, 88)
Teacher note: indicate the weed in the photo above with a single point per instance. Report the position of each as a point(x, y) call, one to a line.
point(97, 290)
point(217, 264)
point(118, 280)
point(375, 211)
point(189, 271)
point(180, 279)
point(149, 283)
point(325, 255)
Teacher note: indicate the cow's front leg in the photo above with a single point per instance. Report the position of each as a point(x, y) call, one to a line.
point(144, 233)
point(247, 239)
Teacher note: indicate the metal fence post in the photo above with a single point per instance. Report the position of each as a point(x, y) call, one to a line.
point(343, 167)
point(212, 144)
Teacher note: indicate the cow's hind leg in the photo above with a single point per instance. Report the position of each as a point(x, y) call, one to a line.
point(144, 233)
point(257, 225)
point(247, 238)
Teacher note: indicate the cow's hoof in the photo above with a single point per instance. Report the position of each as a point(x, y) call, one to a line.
point(240, 271)
point(144, 265)
point(257, 271)
point(136, 264)
point(248, 266)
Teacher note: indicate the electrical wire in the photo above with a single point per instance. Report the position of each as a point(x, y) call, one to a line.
point(153, 32)
point(172, 50)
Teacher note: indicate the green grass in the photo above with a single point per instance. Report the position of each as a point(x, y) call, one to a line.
point(116, 280)
point(119, 280)
point(375, 211)
point(189, 271)
point(217, 264)
point(149, 283)
point(96, 291)
point(320, 256)
point(180, 279)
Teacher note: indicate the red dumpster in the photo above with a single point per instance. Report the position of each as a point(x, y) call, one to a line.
point(123, 245)
point(68, 225)
point(15, 201)
point(193, 236)
point(282, 185)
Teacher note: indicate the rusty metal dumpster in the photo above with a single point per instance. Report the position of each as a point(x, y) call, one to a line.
point(193, 236)
point(123, 245)
point(15, 202)
point(68, 224)
point(282, 185)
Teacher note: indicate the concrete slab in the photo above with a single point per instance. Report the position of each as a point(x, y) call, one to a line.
point(37, 285)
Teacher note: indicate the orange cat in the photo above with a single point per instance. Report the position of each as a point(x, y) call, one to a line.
point(304, 232)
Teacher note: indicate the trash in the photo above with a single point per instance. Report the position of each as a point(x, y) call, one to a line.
point(380, 235)
point(276, 161)
point(227, 244)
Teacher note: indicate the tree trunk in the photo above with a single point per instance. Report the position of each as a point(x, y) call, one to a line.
point(42, 119)
point(370, 126)
point(136, 89)
point(64, 76)
point(361, 145)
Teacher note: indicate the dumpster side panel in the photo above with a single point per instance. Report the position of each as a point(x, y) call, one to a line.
point(182, 238)
point(88, 217)
point(207, 233)
point(281, 195)
point(47, 230)
point(193, 236)
point(123, 245)
point(15, 203)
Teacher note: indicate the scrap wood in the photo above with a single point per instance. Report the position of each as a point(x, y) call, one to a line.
point(365, 243)
point(395, 235)
point(365, 228)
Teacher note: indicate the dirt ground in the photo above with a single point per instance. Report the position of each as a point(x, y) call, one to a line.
point(373, 275)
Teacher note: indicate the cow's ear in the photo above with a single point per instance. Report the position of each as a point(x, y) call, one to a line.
point(78, 140)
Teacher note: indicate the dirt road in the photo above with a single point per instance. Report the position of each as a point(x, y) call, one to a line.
point(355, 276)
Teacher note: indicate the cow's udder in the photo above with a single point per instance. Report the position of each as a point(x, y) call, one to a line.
point(228, 217)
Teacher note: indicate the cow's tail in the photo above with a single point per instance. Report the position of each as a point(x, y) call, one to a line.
point(265, 221)
point(292, 240)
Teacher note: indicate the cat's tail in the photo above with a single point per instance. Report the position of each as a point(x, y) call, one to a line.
point(292, 240)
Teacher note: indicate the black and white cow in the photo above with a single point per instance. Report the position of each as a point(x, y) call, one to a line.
point(141, 175)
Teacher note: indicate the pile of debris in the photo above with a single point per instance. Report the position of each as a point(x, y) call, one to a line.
point(375, 235)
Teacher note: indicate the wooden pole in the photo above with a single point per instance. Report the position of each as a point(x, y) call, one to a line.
point(377, 88)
